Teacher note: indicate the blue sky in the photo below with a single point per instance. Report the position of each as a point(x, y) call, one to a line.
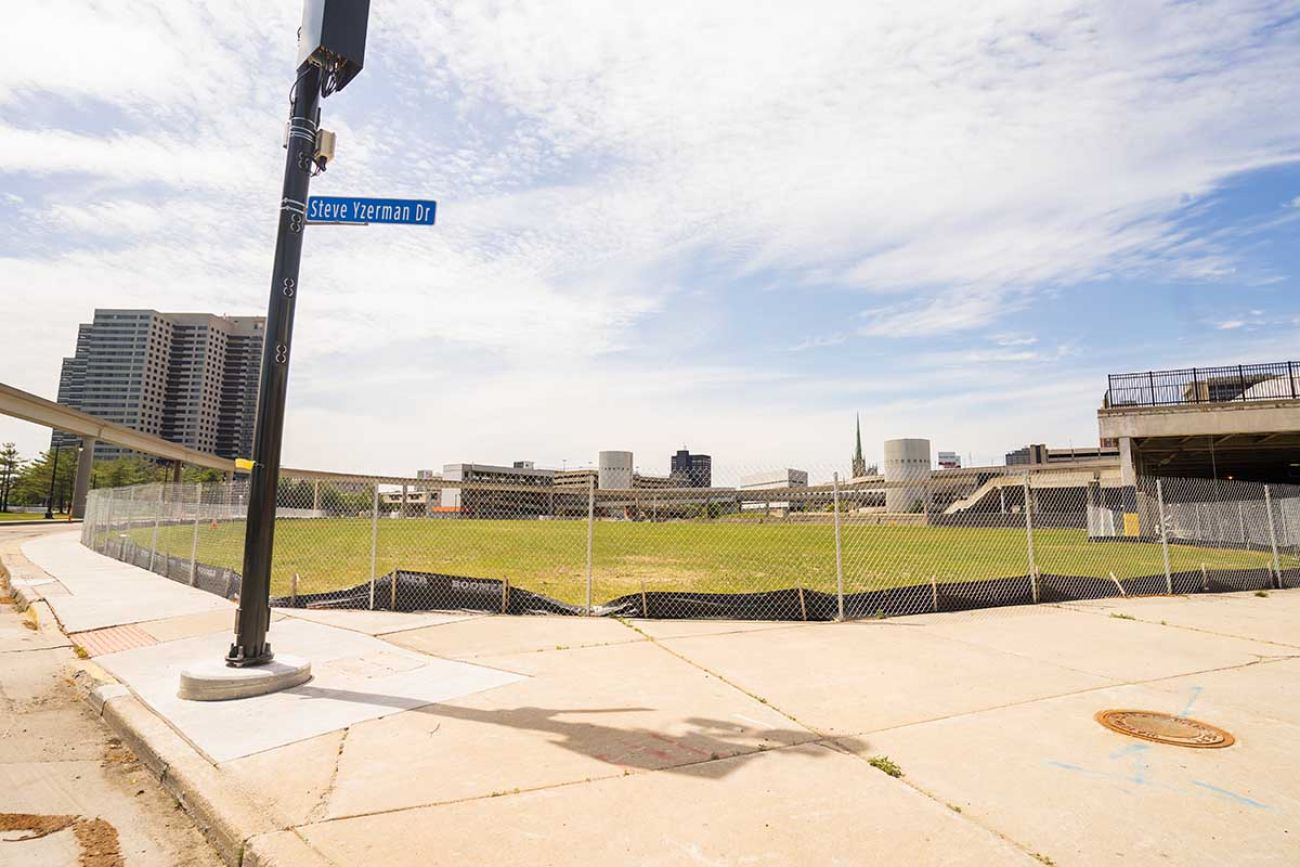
point(725, 225)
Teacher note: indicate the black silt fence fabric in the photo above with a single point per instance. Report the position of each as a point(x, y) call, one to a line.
point(217, 580)
point(769, 605)
point(425, 591)
point(1071, 588)
point(1229, 580)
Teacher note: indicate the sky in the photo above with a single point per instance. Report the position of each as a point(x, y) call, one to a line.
point(726, 226)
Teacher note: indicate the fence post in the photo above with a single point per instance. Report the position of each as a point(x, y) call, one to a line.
point(153, 543)
point(1241, 521)
point(1164, 536)
point(104, 524)
point(839, 551)
point(126, 529)
point(374, 540)
point(1272, 536)
point(1029, 542)
point(194, 543)
point(591, 525)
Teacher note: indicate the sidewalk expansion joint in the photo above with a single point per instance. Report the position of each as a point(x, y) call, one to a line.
point(1102, 612)
point(613, 775)
point(321, 808)
point(737, 687)
point(962, 816)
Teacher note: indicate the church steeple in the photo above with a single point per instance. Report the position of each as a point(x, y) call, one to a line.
point(859, 462)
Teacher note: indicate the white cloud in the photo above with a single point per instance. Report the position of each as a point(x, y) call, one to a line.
point(820, 342)
point(948, 162)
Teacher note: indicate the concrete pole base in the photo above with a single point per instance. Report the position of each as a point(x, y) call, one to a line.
point(216, 681)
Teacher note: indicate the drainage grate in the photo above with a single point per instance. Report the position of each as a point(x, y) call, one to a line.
point(1164, 728)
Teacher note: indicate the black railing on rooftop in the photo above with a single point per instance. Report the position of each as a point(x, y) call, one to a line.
point(1235, 383)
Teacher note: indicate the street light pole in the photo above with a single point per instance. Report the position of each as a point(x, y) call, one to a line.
point(254, 616)
point(331, 50)
point(49, 500)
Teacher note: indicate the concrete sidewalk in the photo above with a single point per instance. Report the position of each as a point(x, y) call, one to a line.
point(61, 771)
point(457, 739)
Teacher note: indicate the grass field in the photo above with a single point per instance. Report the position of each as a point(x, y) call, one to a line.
point(549, 556)
point(28, 516)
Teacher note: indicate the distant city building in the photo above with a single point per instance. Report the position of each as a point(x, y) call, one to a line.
point(774, 480)
point(1034, 453)
point(412, 503)
point(518, 502)
point(786, 478)
point(949, 461)
point(614, 470)
point(190, 378)
point(1039, 453)
point(859, 462)
point(692, 471)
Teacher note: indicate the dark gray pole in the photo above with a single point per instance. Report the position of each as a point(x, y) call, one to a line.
point(253, 618)
point(49, 500)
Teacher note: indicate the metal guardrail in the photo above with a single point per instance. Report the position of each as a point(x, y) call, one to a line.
point(1234, 383)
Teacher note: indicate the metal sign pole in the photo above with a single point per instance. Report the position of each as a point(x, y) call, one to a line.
point(254, 616)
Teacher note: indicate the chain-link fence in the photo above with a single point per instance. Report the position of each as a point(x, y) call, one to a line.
point(561, 544)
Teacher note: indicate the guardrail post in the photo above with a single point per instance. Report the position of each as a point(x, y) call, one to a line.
point(1029, 541)
point(1272, 536)
point(839, 550)
point(194, 542)
point(1164, 537)
point(591, 526)
point(374, 540)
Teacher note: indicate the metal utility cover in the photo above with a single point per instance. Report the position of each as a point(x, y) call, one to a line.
point(1165, 728)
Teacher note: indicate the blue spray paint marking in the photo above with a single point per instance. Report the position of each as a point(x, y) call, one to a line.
point(1191, 700)
point(1140, 766)
point(1232, 796)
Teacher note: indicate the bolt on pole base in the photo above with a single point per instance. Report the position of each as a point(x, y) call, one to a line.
point(239, 657)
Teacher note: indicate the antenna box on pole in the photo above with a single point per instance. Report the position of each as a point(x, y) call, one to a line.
point(333, 36)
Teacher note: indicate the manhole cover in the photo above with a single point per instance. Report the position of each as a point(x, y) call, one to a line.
point(1164, 728)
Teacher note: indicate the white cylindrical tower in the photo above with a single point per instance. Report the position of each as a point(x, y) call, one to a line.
point(614, 471)
point(907, 460)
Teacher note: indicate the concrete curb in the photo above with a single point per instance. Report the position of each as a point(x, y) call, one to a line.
point(222, 811)
point(282, 849)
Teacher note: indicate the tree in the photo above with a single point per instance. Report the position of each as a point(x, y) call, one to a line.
point(33, 484)
point(201, 474)
point(10, 466)
point(121, 472)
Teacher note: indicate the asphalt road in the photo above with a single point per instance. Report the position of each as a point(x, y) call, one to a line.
point(70, 793)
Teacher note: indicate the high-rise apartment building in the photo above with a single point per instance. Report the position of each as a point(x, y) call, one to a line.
point(191, 378)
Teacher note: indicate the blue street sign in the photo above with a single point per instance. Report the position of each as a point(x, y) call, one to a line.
point(349, 209)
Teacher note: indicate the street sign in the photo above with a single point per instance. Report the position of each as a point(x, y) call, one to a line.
point(355, 211)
